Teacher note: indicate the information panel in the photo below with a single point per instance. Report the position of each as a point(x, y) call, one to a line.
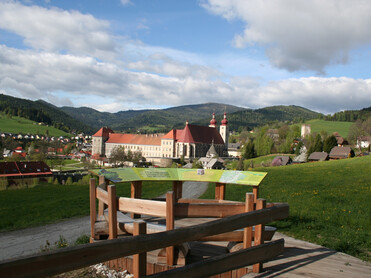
point(174, 174)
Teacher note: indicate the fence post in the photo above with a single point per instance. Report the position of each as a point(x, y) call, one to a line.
point(93, 208)
point(247, 232)
point(135, 193)
point(219, 191)
point(140, 260)
point(112, 212)
point(177, 189)
point(170, 200)
point(259, 234)
point(102, 183)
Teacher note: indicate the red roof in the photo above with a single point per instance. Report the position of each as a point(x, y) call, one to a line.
point(135, 139)
point(103, 132)
point(32, 168)
point(200, 134)
point(173, 134)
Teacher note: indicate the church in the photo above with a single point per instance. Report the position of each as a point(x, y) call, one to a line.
point(190, 142)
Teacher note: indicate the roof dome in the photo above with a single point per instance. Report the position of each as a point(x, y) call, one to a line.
point(225, 121)
point(213, 121)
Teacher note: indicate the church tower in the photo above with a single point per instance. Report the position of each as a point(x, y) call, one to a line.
point(224, 131)
point(213, 122)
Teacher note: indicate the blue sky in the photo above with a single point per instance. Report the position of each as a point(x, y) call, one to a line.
point(120, 54)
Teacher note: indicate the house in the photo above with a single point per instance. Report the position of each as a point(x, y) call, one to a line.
point(234, 149)
point(24, 169)
point(341, 152)
point(318, 156)
point(363, 141)
point(340, 140)
point(281, 161)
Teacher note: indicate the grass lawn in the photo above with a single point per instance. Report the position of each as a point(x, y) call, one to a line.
point(330, 127)
point(22, 125)
point(330, 202)
point(48, 203)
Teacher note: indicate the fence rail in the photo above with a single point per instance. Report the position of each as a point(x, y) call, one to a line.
point(70, 258)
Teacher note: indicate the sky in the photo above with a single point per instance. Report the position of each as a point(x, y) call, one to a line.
point(114, 55)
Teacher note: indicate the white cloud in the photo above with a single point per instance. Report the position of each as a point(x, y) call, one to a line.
point(57, 30)
point(126, 2)
point(33, 75)
point(301, 34)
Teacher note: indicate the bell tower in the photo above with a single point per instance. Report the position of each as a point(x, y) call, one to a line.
point(224, 131)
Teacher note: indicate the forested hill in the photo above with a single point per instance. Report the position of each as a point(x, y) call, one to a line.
point(251, 118)
point(146, 120)
point(41, 111)
point(350, 115)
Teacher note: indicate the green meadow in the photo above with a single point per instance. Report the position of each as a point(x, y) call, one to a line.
point(330, 127)
point(330, 202)
point(24, 126)
point(48, 203)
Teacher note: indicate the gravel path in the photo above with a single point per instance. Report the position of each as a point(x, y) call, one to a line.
point(32, 240)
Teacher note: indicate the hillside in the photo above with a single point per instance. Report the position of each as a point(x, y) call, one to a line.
point(157, 120)
point(329, 202)
point(252, 118)
point(41, 111)
point(330, 127)
point(18, 125)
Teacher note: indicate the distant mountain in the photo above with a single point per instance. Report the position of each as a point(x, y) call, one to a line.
point(41, 111)
point(147, 120)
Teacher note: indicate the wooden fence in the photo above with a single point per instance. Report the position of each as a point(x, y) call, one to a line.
point(70, 258)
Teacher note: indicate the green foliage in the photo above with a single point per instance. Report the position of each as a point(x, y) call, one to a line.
point(329, 202)
point(248, 150)
point(263, 143)
point(69, 181)
point(329, 143)
point(350, 115)
point(83, 239)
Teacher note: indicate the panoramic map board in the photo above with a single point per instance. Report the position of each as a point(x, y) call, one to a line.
point(174, 174)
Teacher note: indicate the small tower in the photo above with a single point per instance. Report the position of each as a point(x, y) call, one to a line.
point(305, 130)
point(213, 122)
point(224, 131)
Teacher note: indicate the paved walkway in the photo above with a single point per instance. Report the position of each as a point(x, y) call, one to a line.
point(32, 240)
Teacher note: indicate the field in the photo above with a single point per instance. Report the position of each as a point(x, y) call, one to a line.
point(48, 203)
point(329, 202)
point(24, 126)
point(330, 127)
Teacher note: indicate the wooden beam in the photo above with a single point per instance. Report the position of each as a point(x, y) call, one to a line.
point(139, 260)
point(208, 209)
point(140, 206)
point(247, 232)
point(228, 262)
point(102, 196)
point(112, 212)
point(259, 234)
point(170, 200)
point(70, 258)
point(93, 208)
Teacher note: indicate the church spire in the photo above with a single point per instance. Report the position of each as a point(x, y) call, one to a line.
point(213, 121)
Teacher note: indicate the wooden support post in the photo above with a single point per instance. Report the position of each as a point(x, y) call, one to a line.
point(177, 189)
point(112, 212)
point(219, 191)
point(136, 193)
point(247, 232)
point(93, 208)
point(258, 236)
point(139, 260)
point(255, 191)
point(102, 183)
point(170, 200)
